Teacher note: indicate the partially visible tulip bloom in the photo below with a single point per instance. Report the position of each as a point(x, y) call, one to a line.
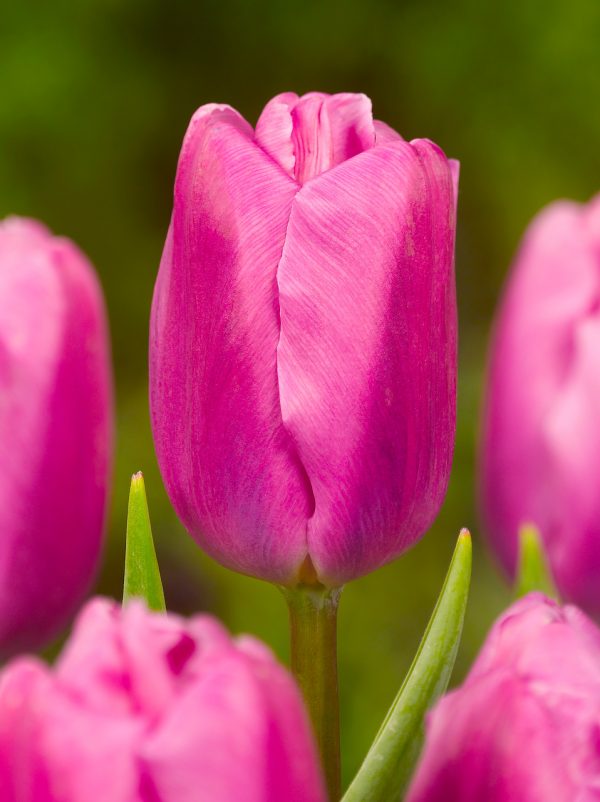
point(55, 431)
point(524, 726)
point(541, 437)
point(143, 707)
point(303, 338)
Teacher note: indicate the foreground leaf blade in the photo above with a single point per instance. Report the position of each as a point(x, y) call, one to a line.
point(142, 575)
point(392, 756)
point(533, 572)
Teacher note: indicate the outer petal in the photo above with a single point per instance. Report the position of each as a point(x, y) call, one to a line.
point(229, 466)
point(55, 431)
point(24, 775)
point(497, 745)
point(144, 659)
point(571, 433)
point(524, 725)
point(537, 638)
point(367, 357)
point(541, 440)
point(52, 748)
point(238, 733)
point(89, 754)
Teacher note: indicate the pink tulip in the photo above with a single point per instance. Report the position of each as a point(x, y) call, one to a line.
point(541, 437)
point(55, 431)
point(303, 338)
point(143, 707)
point(524, 726)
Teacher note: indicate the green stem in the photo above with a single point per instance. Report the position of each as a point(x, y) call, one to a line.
point(313, 625)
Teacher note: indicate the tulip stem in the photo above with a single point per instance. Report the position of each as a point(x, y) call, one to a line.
point(313, 657)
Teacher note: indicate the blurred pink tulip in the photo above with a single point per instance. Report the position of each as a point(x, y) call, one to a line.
point(144, 707)
point(303, 338)
point(541, 436)
point(524, 726)
point(55, 431)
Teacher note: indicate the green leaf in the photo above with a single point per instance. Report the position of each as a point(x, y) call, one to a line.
point(142, 575)
point(533, 572)
point(389, 763)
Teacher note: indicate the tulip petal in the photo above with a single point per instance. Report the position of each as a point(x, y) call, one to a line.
point(316, 132)
point(239, 745)
point(23, 775)
point(384, 134)
point(55, 431)
point(543, 344)
point(367, 355)
point(274, 130)
point(229, 465)
point(524, 724)
point(573, 448)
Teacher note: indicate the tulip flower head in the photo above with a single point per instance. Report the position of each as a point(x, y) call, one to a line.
point(143, 706)
point(541, 436)
point(524, 725)
point(55, 431)
point(303, 338)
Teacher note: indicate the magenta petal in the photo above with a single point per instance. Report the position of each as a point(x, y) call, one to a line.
point(384, 134)
point(499, 746)
point(572, 444)
point(367, 356)
point(228, 464)
point(91, 754)
point(328, 130)
point(230, 728)
point(24, 774)
point(51, 748)
point(274, 130)
point(238, 733)
point(541, 438)
point(523, 727)
point(55, 431)
point(309, 135)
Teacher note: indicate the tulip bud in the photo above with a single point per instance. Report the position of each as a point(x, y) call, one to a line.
point(541, 434)
point(143, 706)
point(524, 725)
point(55, 431)
point(303, 338)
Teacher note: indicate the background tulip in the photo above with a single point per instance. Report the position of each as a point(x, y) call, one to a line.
point(55, 431)
point(524, 726)
point(143, 706)
point(303, 338)
point(541, 436)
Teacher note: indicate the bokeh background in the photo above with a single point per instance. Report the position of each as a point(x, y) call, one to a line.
point(94, 99)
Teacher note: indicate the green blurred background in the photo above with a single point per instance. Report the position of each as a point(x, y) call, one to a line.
point(95, 97)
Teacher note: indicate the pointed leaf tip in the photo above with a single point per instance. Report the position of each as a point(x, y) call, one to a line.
point(142, 574)
point(389, 763)
point(533, 571)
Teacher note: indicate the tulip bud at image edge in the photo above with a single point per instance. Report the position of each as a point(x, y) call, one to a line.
point(56, 431)
point(540, 443)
